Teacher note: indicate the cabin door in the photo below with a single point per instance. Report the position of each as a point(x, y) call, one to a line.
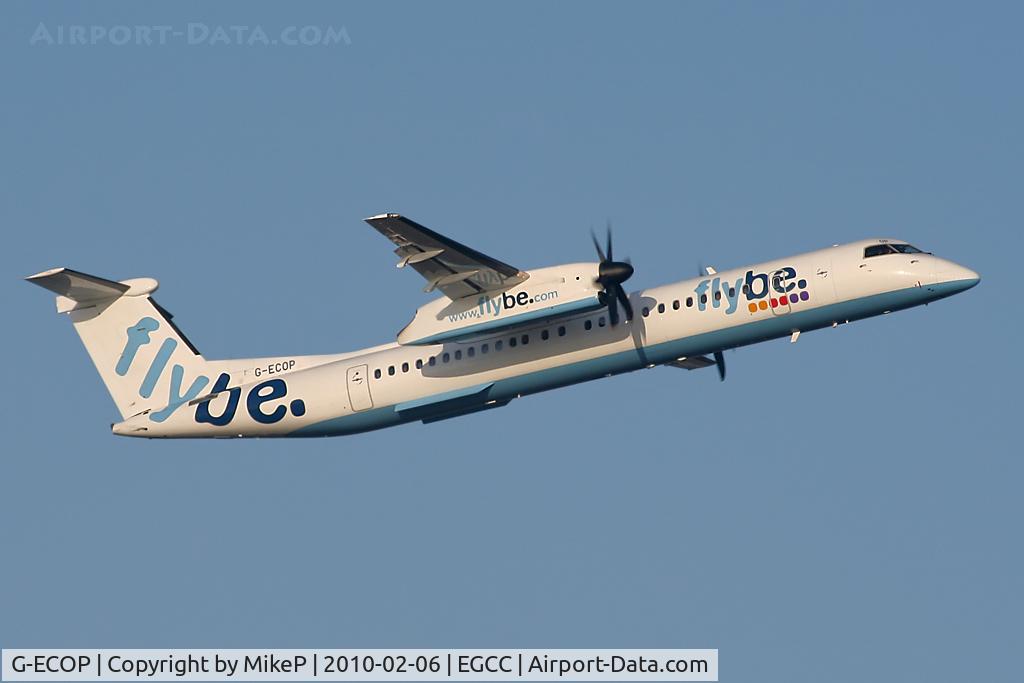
point(358, 380)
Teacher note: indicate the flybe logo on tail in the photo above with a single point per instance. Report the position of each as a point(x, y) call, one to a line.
point(138, 336)
point(760, 290)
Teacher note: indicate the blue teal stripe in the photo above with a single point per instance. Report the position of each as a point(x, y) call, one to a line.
point(634, 359)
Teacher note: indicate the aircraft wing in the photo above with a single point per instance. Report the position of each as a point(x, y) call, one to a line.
point(455, 269)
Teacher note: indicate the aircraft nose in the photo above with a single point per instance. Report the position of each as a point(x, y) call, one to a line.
point(955, 276)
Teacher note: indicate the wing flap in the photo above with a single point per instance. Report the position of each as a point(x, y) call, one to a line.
point(691, 362)
point(455, 269)
point(458, 395)
point(449, 404)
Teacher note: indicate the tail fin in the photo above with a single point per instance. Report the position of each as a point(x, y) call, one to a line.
point(130, 339)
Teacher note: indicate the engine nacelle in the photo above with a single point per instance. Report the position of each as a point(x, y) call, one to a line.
point(547, 293)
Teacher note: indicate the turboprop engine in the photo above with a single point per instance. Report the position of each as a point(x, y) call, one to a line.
point(547, 293)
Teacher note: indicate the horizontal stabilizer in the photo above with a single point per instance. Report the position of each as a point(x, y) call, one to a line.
point(77, 290)
point(80, 288)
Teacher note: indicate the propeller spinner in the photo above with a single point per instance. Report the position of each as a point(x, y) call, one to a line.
point(610, 275)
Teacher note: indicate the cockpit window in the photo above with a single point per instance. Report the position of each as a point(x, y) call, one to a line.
point(880, 249)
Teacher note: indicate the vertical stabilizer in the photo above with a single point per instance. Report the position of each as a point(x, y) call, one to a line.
point(142, 357)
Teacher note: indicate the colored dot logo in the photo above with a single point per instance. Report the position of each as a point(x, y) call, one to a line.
point(781, 300)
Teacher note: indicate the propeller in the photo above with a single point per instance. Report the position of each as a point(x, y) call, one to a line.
point(720, 362)
point(610, 275)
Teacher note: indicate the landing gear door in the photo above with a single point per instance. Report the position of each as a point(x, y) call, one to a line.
point(358, 380)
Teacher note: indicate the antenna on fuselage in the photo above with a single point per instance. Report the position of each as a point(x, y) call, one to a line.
point(703, 270)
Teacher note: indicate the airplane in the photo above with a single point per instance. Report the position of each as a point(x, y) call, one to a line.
point(495, 334)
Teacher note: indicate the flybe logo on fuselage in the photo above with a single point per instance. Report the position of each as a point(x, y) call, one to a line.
point(761, 291)
point(138, 335)
point(262, 393)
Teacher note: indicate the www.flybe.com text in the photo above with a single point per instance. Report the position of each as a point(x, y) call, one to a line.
point(492, 307)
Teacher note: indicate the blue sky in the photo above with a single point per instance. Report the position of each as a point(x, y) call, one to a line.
point(838, 508)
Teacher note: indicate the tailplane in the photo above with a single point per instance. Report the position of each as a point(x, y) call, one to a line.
point(141, 355)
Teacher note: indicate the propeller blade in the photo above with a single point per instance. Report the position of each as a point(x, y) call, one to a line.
point(621, 295)
point(720, 362)
point(610, 275)
point(597, 245)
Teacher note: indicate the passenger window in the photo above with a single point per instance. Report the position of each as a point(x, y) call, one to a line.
point(432, 361)
point(470, 352)
point(732, 292)
point(376, 373)
point(419, 363)
point(544, 335)
point(661, 308)
point(458, 354)
point(745, 290)
point(645, 311)
point(703, 298)
point(561, 330)
point(484, 348)
point(675, 305)
point(391, 369)
point(600, 321)
point(445, 357)
point(497, 345)
point(588, 324)
point(512, 342)
point(405, 367)
point(718, 296)
point(689, 302)
point(525, 339)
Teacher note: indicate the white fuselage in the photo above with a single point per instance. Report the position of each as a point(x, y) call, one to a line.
point(396, 383)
